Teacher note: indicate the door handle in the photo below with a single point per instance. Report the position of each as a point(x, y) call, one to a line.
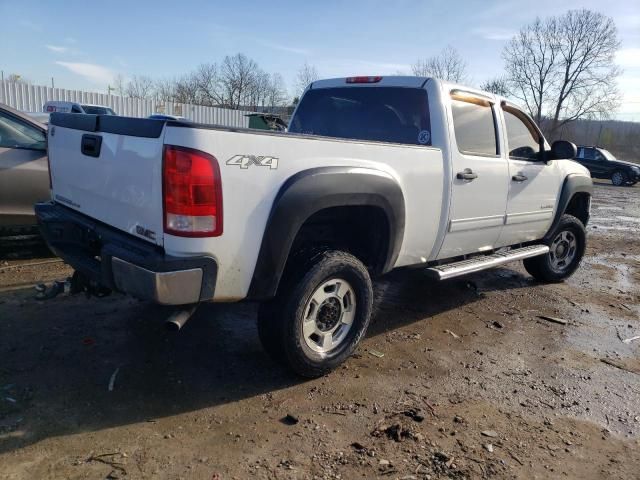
point(466, 174)
point(90, 145)
point(519, 178)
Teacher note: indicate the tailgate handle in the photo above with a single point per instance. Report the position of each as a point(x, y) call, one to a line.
point(90, 145)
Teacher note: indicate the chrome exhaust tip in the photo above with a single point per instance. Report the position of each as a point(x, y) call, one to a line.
point(178, 318)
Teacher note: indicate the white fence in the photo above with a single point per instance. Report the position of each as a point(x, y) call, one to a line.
point(31, 98)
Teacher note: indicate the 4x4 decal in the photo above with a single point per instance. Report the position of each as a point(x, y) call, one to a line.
point(245, 161)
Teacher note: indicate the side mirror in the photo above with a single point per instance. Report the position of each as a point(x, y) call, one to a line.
point(561, 149)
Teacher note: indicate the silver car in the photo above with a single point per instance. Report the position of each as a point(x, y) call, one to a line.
point(24, 172)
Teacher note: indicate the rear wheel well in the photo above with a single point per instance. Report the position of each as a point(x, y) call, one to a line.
point(363, 231)
point(579, 207)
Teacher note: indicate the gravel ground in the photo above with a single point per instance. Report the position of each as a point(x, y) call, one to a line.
point(460, 379)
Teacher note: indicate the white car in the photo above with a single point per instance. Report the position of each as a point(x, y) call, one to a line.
point(73, 107)
point(375, 173)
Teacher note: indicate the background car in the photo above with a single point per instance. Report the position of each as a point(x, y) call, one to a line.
point(266, 121)
point(41, 117)
point(602, 164)
point(73, 107)
point(24, 172)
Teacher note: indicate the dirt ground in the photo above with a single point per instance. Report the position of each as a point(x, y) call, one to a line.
point(459, 379)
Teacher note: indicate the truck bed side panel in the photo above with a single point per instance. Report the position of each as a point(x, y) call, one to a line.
point(249, 193)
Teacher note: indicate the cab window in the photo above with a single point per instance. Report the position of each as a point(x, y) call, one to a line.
point(589, 154)
point(76, 109)
point(474, 125)
point(16, 134)
point(523, 139)
point(383, 114)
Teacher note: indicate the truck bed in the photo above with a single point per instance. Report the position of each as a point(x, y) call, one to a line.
point(122, 185)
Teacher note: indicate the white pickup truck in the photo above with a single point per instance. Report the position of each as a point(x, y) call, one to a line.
point(375, 173)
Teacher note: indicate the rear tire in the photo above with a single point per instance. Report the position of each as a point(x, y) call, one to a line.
point(320, 314)
point(566, 249)
point(618, 178)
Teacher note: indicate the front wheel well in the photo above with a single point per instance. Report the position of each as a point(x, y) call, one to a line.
point(579, 207)
point(362, 231)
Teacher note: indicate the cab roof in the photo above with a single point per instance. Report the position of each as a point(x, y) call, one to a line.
point(375, 81)
point(399, 81)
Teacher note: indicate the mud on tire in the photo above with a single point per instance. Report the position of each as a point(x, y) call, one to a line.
point(566, 248)
point(320, 313)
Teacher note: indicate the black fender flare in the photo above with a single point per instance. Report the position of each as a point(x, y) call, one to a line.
point(572, 184)
point(310, 191)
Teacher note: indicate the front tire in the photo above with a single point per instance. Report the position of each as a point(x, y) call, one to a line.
point(566, 249)
point(618, 178)
point(320, 314)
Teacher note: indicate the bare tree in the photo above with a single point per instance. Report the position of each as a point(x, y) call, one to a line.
point(236, 82)
point(306, 75)
point(531, 63)
point(119, 85)
point(563, 67)
point(447, 65)
point(186, 89)
point(237, 74)
point(258, 88)
point(140, 86)
point(164, 90)
point(207, 79)
point(496, 85)
point(276, 91)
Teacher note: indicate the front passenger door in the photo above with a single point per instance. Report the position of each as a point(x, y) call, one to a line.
point(479, 184)
point(24, 174)
point(534, 184)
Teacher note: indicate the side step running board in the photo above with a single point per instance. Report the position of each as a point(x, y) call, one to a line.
point(475, 264)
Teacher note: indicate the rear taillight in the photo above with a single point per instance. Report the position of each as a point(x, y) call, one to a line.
point(363, 79)
point(192, 193)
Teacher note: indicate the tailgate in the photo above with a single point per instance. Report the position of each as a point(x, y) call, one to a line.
point(109, 168)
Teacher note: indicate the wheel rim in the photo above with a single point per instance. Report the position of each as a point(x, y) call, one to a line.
point(562, 250)
point(617, 178)
point(329, 315)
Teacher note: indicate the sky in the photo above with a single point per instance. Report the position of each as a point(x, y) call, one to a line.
point(84, 47)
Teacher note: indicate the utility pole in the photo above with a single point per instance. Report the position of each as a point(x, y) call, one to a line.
point(52, 85)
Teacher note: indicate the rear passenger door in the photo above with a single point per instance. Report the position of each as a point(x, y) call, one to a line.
point(480, 176)
point(534, 184)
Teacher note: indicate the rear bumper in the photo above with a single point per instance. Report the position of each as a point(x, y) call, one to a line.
point(122, 262)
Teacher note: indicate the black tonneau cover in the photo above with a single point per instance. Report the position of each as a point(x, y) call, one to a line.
point(133, 127)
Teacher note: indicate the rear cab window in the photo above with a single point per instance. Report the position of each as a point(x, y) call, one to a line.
point(474, 124)
point(384, 114)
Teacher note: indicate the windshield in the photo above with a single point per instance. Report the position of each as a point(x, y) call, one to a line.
point(386, 114)
point(607, 154)
point(97, 110)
